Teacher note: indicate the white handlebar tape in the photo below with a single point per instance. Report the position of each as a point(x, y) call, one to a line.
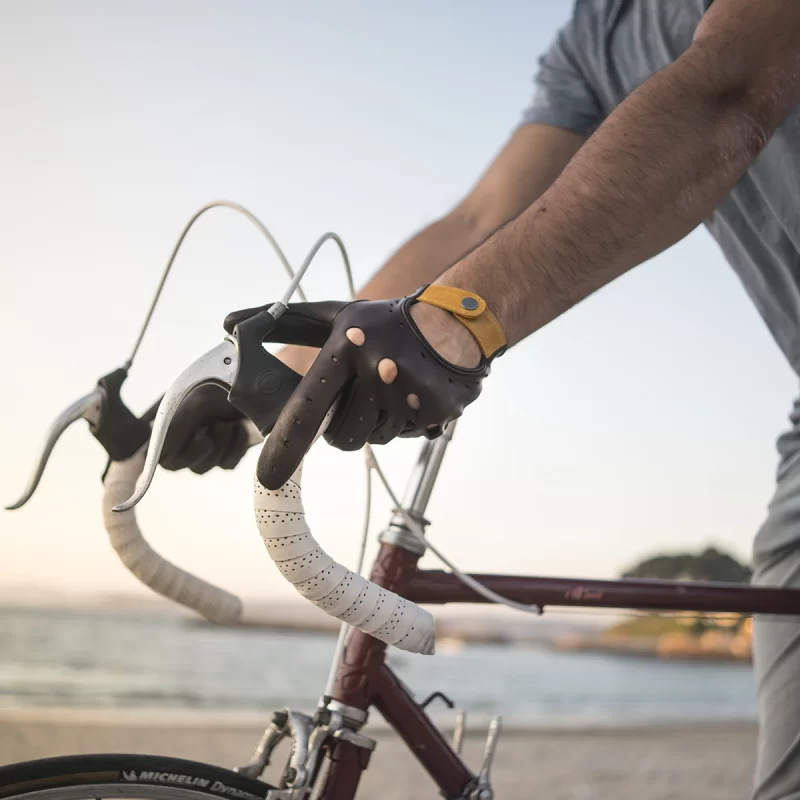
point(330, 586)
point(162, 576)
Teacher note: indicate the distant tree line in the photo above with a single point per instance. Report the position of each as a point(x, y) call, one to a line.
point(710, 565)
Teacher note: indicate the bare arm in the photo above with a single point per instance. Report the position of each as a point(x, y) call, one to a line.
point(530, 161)
point(649, 175)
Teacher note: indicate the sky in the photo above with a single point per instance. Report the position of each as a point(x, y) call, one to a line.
point(643, 420)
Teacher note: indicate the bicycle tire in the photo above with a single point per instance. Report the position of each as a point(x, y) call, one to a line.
point(141, 777)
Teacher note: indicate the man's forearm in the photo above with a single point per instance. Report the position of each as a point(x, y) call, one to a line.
point(649, 175)
point(421, 260)
point(424, 257)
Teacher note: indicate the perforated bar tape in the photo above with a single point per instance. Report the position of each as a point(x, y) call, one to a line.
point(330, 586)
point(162, 576)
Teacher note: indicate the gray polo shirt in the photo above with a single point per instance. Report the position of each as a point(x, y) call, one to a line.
point(606, 50)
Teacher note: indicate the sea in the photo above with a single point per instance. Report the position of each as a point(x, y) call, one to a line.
point(80, 659)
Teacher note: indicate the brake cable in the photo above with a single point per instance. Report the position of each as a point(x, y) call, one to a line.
point(165, 274)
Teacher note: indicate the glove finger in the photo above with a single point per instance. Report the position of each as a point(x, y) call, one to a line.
point(396, 416)
point(181, 449)
point(203, 407)
point(201, 452)
point(238, 446)
point(172, 460)
point(389, 428)
point(411, 432)
point(426, 421)
point(302, 416)
point(307, 324)
point(174, 453)
point(355, 418)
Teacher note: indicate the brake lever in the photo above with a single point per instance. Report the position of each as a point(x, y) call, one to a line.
point(89, 408)
point(111, 422)
point(258, 384)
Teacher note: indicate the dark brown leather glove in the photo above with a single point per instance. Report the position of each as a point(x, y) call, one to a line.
point(206, 432)
point(369, 410)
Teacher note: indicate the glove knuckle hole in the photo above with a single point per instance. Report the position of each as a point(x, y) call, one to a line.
point(355, 336)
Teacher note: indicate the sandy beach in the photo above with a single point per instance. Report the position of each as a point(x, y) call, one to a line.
point(704, 761)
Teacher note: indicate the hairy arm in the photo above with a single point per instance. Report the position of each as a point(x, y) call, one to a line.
point(649, 175)
point(530, 161)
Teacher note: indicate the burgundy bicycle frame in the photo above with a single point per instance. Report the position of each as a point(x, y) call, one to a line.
point(365, 681)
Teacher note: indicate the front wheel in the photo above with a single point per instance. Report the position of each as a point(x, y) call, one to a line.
point(101, 777)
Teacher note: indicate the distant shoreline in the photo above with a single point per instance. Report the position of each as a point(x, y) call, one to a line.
point(455, 627)
point(688, 649)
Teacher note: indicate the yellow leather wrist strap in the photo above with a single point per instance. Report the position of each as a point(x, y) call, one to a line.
point(469, 309)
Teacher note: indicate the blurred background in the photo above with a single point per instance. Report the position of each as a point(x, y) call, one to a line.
point(640, 424)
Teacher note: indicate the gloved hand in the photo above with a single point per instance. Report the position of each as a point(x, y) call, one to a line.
point(207, 431)
point(389, 380)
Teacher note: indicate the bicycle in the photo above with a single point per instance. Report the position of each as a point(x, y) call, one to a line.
point(330, 749)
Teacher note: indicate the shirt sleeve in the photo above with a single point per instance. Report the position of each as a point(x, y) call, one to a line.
point(563, 96)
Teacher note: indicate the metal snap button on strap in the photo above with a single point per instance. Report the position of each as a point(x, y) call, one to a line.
point(469, 303)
